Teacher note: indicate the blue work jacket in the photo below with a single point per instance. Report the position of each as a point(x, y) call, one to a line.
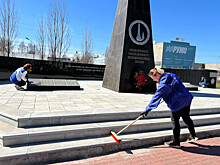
point(18, 75)
point(172, 91)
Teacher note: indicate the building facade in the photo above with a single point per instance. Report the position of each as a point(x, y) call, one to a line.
point(175, 54)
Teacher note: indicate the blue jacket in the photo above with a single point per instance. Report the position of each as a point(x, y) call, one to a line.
point(18, 75)
point(172, 91)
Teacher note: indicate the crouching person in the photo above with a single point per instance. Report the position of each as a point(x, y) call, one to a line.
point(19, 76)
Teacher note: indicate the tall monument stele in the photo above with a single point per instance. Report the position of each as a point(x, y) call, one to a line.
point(130, 55)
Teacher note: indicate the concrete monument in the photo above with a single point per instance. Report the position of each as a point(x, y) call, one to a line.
point(130, 55)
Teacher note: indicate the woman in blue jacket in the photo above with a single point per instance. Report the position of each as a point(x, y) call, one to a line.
point(177, 98)
point(19, 76)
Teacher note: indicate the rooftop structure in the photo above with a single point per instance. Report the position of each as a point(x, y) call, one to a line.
point(175, 54)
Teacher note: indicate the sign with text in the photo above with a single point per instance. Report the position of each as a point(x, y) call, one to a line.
point(178, 55)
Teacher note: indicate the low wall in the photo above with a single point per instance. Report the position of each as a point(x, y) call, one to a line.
point(5, 75)
point(194, 76)
point(51, 69)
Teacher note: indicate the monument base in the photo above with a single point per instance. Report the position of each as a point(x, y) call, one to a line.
point(52, 84)
point(190, 87)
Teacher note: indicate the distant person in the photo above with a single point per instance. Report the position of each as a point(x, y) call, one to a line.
point(177, 98)
point(19, 76)
point(203, 82)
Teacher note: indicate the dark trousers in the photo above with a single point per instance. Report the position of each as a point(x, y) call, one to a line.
point(175, 116)
point(21, 83)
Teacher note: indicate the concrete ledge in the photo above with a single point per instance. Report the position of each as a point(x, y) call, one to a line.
point(81, 131)
point(21, 118)
point(55, 119)
point(11, 115)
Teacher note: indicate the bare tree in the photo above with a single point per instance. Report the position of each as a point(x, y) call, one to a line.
point(31, 49)
point(64, 40)
point(8, 26)
point(41, 37)
point(22, 47)
point(2, 45)
point(87, 48)
point(53, 27)
point(58, 30)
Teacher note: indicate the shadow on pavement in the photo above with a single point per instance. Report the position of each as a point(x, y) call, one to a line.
point(203, 149)
point(129, 152)
point(205, 95)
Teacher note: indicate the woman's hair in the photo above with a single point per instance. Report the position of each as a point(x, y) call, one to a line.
point(154, 71)
point(26, 66)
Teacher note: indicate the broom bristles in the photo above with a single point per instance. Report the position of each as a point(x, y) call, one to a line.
point(115, 137)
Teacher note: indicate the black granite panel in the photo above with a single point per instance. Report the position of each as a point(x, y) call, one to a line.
point(131, 49)
point(52, 84)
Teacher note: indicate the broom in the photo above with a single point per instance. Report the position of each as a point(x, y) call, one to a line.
point(115, 135)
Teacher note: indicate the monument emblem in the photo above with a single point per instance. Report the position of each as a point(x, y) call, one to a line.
point(130, 55)
point(140, 40)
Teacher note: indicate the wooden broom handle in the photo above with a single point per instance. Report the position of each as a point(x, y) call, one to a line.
point(129, 125)
point(132, 122)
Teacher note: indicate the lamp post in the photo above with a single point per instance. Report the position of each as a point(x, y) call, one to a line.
point(33, 44)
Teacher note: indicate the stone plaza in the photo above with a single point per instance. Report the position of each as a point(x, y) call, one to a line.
point(53, 121)
point(60, 125)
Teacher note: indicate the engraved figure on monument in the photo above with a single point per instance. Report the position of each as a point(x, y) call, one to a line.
point(139, 38)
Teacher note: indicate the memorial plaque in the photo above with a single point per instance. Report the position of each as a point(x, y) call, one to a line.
point(52, 84)
point(130, 55)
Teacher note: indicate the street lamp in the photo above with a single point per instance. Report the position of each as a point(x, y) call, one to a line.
point(32, 43)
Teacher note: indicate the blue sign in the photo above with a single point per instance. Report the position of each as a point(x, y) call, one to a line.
point(178, 55)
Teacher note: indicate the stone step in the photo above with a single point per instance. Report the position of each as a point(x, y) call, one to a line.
point(85, 148)
point(20, 118)
point(11, 135)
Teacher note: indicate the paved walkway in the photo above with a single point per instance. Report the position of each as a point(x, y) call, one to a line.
point(92, 99)
point(201, 152)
